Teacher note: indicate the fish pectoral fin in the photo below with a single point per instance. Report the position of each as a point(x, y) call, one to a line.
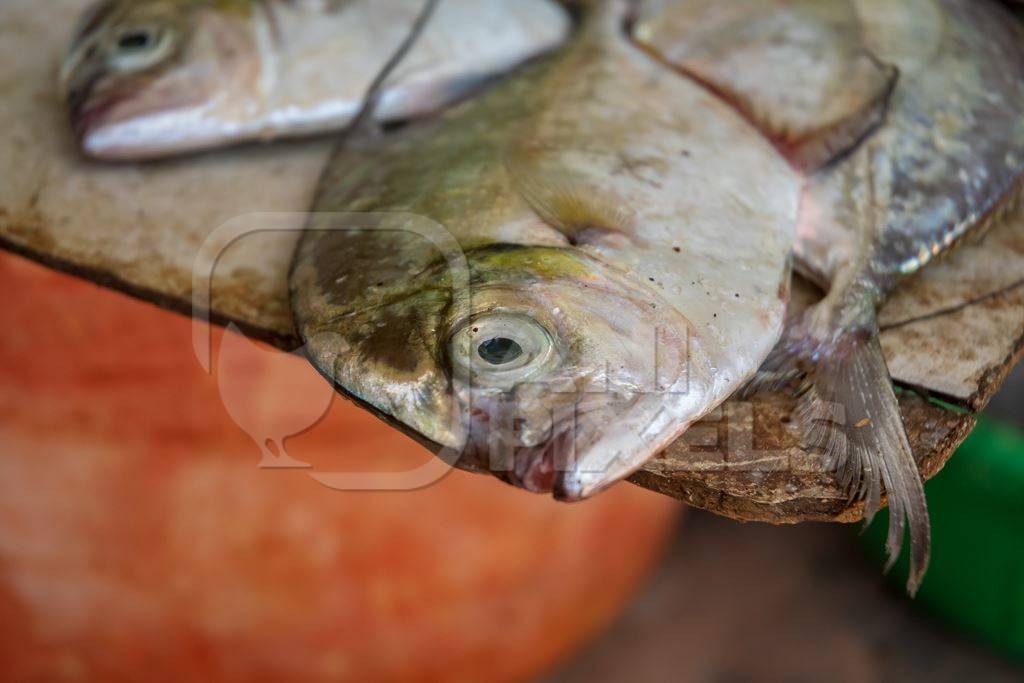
point(837, 129)
point(848, 412)
point(799, 70)
point(583, 213)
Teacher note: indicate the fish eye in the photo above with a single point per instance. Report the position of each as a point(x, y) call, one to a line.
point(135, 39)
point(501, 348)
point(139, 47)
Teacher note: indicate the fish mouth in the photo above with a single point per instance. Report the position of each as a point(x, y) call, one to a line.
point(87, 116)
point(535, 467)
point(109, 120)
point(608, 454)
point(83, 110)
point(540, 469)
point(91, 106)
point(587, 454)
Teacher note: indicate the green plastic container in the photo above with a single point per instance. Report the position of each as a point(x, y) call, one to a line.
point(976, 578)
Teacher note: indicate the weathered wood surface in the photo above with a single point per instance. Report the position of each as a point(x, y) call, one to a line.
point(953, 331)
point(137, 228)
point(745, 462)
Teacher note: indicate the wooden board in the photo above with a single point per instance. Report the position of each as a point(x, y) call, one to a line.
point(957, 328)
point(138, 228)
point(954, 331)
point(746, 463)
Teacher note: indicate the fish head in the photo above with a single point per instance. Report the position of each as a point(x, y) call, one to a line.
point(141, 74)
point(571, 371)
point(552, 369)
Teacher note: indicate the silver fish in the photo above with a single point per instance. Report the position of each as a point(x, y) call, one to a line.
point(150, 78)
point(626, 240)
point(945, 161)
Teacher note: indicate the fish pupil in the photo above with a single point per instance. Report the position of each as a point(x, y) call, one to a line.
point(134, 40)
point(500, 350)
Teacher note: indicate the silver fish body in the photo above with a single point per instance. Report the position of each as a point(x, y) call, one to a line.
point(944, 159)
point(150, 78)
point(624, 243)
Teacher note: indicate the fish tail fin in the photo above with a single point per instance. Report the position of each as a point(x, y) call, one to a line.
point(848, 412)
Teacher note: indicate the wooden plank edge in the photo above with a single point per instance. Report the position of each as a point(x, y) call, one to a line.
point(168, 302)
point(789, 497)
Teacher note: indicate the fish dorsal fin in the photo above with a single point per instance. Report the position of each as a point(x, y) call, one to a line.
point(798, 69)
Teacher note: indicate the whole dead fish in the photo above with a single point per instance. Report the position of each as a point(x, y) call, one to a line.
point(148, 78)
point(624, 240)
point(946, 161)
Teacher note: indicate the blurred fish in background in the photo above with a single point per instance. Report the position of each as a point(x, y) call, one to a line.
point(151, 78)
